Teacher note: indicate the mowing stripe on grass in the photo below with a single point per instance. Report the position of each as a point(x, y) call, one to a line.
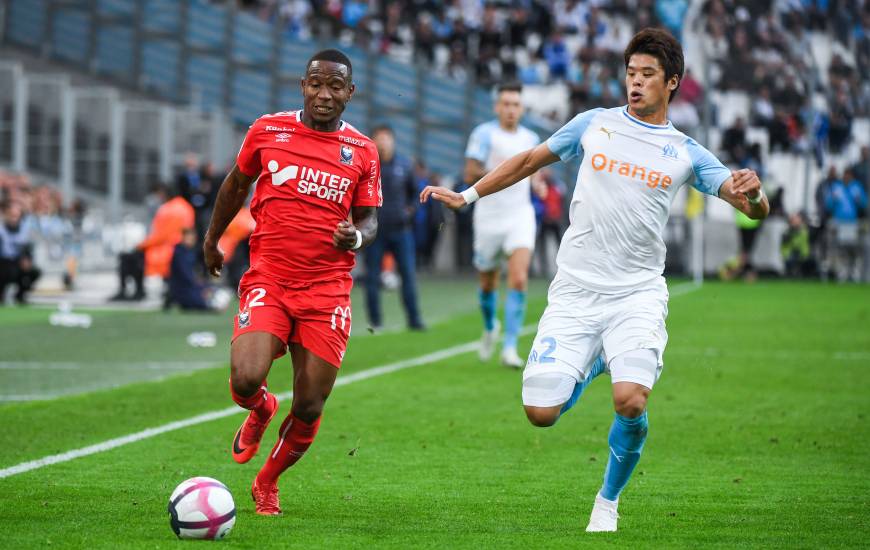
point(446, 353)
point(215, 415)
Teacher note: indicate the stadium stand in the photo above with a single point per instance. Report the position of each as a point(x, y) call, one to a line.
point(135, 84)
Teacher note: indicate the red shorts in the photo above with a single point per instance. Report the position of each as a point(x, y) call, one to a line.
point(315, 315)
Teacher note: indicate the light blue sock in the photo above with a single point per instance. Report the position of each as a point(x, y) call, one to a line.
point(597, 368)
point(487, 308)
point(626, 443)
point(514, 314)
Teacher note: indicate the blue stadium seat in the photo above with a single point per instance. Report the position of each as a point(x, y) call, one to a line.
point(160, 64)
point(115, 50)
point(252, 42)
point(162, 16)
point(251, 96)
point(26, 21)
point(116, 7)
point(71, 35)
point(395, 85)
point(206, 25)
point(205, 74)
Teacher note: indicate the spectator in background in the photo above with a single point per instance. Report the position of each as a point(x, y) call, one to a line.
point(840, 122)
point(552, 220)
point(154, 255)
point(846, 202)
point(861, 169)
point(198, 186)
point(671, 13)
point(428, 218)
point(742, 267)
point(762, 108)
point(184, 288)
point(690, 89)
point(684, 115)
point(16, 259)
point(557, 56)
point(73, 242)
point(395, 235)
point(795, 248)
point(234, 243)
point(734, 140)
point(189, 180)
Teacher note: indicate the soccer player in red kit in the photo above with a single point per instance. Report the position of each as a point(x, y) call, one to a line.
point(315, 203)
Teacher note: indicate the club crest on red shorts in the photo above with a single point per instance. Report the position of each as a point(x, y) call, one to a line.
point(245, 318)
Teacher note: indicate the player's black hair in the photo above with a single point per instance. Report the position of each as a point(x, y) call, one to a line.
point(509, 87)
point(336, 56)
point(383, 128)
point(663, 46)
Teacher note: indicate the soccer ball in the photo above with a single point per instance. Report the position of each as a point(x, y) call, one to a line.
point(201, 508)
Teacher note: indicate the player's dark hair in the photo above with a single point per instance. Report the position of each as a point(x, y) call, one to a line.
point(509, 87)
point(336, 56)
point(383, 128)
point(663, 46)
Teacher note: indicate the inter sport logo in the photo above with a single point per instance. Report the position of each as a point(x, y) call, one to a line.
point(317, 183)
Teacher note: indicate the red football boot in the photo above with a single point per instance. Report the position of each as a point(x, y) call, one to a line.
point(265, 498)
point(246, 443)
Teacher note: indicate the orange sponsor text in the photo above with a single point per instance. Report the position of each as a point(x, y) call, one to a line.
point(652, 178)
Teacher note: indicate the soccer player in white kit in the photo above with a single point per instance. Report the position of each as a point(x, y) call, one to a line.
point(608, 301)
point(504, 224)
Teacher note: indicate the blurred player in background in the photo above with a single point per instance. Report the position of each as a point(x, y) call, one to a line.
point(504, 224)
point(608, 302)
point(315, 204)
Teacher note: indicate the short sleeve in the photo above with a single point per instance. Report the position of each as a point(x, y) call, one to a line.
point(709, 171)
point(248, 159)
point(368, 188)
point(479, 143)
point(565, 143)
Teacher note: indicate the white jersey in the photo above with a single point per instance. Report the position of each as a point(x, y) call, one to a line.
point(630, 172)
point(491, 145)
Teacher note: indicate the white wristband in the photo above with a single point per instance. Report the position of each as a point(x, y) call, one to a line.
point(470, 195)
point(757, 198)
point(358, 242)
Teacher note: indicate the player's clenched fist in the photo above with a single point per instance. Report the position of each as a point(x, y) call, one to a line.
point(214, 258)
point(746, 181)
point(451, 199)
point(346, 236)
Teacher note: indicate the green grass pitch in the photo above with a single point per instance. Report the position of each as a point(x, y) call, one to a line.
point(758, 435)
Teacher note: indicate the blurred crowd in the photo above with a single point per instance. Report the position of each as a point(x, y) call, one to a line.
point(763, 48)
point(756, 46)
point(30, 214)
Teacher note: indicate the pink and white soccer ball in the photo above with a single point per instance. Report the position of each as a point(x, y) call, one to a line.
point(201, 508)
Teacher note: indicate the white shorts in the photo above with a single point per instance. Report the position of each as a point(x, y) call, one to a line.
point(497, 239)
point(578, 325)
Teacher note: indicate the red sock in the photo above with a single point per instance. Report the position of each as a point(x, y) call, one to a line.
point(294, 438)
point(256, 402)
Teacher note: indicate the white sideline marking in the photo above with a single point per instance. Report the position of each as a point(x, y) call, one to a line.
point(229, 411)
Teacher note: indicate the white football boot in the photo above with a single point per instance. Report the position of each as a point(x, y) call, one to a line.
point(603, 517)
point(488, 342)
point(510, 358)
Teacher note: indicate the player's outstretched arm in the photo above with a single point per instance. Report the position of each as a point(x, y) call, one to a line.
point(514, 169)
point(360, 233)
point(230, 199)
point(743, 191)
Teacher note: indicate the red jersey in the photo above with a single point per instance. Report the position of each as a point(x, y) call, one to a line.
point(307, 183)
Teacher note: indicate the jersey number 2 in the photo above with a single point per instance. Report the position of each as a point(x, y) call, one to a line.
point(255, 297)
